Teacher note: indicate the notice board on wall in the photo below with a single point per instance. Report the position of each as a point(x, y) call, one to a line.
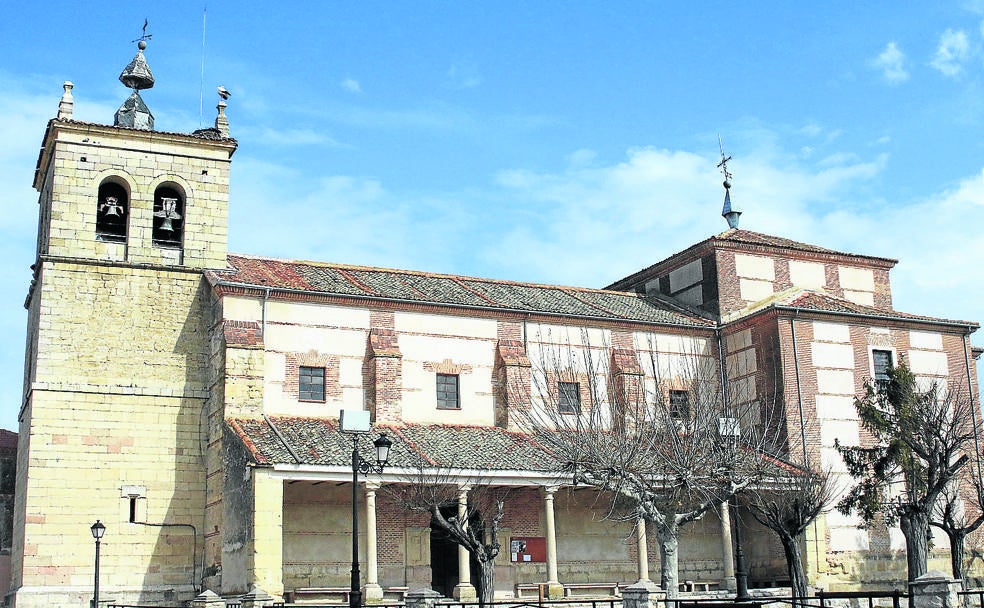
point(530, 549)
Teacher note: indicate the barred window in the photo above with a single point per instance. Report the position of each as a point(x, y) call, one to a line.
point(568, 397)
point(311, 383)
point(679, 405)
point(447, 392)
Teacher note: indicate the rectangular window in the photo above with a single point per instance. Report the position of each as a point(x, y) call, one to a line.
point(568, 397)
point(881, 362)
point(447, 392)
point(679, 405)
point(311, 383)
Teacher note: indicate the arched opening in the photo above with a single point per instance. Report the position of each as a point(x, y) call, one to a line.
point(169, 210)
point(112, 212)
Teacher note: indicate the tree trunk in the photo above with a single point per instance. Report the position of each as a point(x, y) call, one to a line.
point(915, 529)
point(957, 553)
point(668, 560)
point(794, 565)
point(486, 582)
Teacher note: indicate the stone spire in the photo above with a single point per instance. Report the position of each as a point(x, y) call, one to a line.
point(134, 113)
point(67, 104)
point(727, 212)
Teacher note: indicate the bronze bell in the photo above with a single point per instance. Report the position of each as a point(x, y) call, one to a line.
point(167, 213)
point(112, 207)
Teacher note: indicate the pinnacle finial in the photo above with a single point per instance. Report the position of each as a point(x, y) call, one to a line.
point(67, 104)
point(134, 113)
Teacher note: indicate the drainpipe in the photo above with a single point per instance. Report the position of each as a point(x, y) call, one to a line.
point(799, 388)
point(973, 406)
point(266, 296)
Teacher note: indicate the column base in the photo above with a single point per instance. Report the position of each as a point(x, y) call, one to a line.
point(730, 583)
point(465, 592)
point(555, 591)
point(372, 593)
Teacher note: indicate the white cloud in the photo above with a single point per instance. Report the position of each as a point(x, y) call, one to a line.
point(891, 62)
point(351, 85)
point(952, 51)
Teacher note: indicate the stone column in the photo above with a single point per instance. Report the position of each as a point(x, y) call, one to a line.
point(727, 549)
point(372, 592)
point(554, 589)
point(642, 549)
point(464, 590)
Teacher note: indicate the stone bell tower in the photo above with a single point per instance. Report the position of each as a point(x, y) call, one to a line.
point(115, 375)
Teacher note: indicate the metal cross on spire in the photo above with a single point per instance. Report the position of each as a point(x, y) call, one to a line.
point(723, 165)
point(144, 36)
point(727, 212)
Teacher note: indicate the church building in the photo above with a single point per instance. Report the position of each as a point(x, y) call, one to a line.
point(189, 398)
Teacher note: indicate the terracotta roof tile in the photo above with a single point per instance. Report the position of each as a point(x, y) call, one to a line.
point(451, 290)
point(821, 302)
point(319, 441)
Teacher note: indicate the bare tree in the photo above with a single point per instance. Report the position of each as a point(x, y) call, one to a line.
point(655, 430)
point(464, 507)
point(951, 515)
point(787, 505)
point(920, 440)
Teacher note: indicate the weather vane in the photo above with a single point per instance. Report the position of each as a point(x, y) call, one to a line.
point(144, 36)
point(723, 165)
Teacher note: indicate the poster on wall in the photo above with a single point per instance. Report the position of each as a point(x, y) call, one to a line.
point(531, 549)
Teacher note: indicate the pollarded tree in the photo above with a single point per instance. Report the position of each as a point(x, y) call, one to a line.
point(920, 439)
point(787, 505)
point(655, 431)
point(951, 515)
point(462, 506)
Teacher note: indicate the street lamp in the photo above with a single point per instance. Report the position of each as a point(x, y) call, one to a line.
point(97, 529)
point(356, 422)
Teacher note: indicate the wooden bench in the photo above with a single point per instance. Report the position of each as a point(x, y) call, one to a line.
point(575, 589)
point(532, 588)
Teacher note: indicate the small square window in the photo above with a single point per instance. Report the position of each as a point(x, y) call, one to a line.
point(568, 397)
point(881, 362)
point(679, 405)
point(311, 383)
point(447, 392)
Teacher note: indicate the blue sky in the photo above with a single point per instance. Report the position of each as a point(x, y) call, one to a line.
point(568, 143)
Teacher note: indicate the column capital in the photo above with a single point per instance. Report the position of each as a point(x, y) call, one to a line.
point(372, 486)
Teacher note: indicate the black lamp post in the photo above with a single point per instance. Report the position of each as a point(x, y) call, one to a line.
point(741, 573)
point(359, 465)
point(97, 529)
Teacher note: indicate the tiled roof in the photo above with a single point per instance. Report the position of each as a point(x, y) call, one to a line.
point(821, 302)
point(318, 441)
point(210, 133)
point(451, 290)
point(742, 237)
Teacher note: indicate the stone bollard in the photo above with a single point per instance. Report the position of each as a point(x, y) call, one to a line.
point(208, 599)
point(422, 598)
point(256, 598)
point(641, 595)
point(935, 590)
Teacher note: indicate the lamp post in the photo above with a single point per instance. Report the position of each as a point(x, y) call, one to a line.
point(97, 529)
point(356, 422)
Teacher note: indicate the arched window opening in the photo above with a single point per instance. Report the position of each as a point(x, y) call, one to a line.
point(168, 217)
point(112, 211)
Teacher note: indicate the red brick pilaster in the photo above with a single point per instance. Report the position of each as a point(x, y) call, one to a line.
point(384, 376)
point(513, 382)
